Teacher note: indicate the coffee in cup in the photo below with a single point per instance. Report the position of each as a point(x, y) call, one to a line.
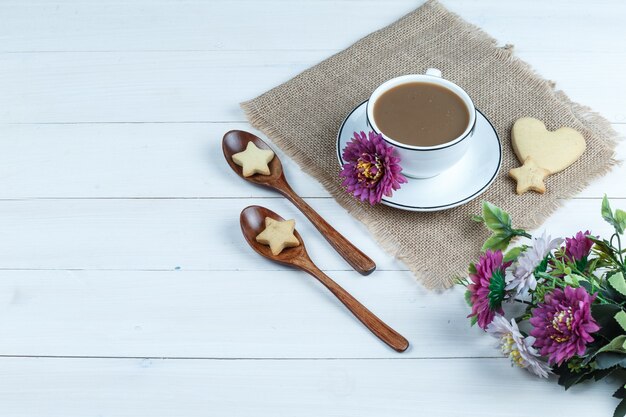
point(421, 114)
point(429, 120)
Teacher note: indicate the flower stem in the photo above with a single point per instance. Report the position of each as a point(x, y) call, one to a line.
point(619, 249)
point(521, 232)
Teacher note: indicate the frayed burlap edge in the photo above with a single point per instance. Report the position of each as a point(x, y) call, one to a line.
point(584, 114)
point(592, 120)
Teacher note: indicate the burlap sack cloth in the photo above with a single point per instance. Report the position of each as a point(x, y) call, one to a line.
point(303, 115)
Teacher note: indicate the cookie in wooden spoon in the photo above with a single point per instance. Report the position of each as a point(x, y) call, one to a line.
point(254, 160)
point(553, 151)
point(278, 235)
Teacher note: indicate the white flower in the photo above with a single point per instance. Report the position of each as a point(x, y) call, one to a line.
point(517, 347)
point(523, 277)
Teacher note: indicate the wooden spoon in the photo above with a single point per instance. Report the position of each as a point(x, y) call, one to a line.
point(252, 221)
point(236, 141)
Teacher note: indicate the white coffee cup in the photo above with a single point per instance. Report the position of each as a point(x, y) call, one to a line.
point(426, 161)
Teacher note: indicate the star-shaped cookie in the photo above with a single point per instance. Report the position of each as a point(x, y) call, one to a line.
point(278, 235)
point(254, 160)
point(529, 176)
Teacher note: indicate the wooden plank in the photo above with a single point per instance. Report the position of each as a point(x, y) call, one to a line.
point(190, 234)
point(159, 388)
point(207, 86)
point(220, 25)
point(160, 234)
point(159, 160)
point(237, 305)
point(228, 314)
point(140, 86)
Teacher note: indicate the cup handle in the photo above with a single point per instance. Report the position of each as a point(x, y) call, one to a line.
point(434, 72)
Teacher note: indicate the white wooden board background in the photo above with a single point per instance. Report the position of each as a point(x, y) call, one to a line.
point(125, 288)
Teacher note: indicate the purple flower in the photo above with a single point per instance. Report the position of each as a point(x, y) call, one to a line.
point(371, 169)
point(487, 288)
point(563, 324)
point(578, 246)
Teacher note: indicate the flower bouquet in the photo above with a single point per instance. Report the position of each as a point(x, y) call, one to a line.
point(570, 295)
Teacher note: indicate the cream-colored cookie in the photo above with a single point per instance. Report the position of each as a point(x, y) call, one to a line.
point(529, 176)
point(278, 235)
point(254, 160)
point(553, 151)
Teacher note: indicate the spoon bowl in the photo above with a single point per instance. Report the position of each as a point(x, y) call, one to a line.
point(252, 220)
point(236, 141)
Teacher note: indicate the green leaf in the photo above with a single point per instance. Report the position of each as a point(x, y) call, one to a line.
point(568, 378)
point(497, 242)
point(605, 251)
point(587, 286)
point(598, 374)
point(472, 268)
point(620, 410)
point(618, 282)
point(473, 320)
point(478, 219)
point(468, 296)
point(607, 213)
point(620, 220)
point(615, 345)
point(607, 360)
point(604, 315)
point(593, 264)
point(603, 246)
point(620, 317)
point(570, 280)
point(512, 254)
point(574, 279)
point(499, 222)
point(495, 218)
point(597, 240)
point(581, 264)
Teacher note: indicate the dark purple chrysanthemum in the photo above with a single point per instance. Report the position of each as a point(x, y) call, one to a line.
point(578, 246)
point(372, 169)
point(487, 288)
point(563, 324)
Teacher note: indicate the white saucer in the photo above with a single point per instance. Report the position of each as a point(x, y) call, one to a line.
point(465, 181)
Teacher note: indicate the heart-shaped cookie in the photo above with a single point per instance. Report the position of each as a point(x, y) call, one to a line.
point(553, 151)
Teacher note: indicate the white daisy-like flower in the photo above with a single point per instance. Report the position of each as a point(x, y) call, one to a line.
point(518, 348)
point(522, 277)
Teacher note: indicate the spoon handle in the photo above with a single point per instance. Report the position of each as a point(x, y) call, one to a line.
point(385, 333)
point(357, 259)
